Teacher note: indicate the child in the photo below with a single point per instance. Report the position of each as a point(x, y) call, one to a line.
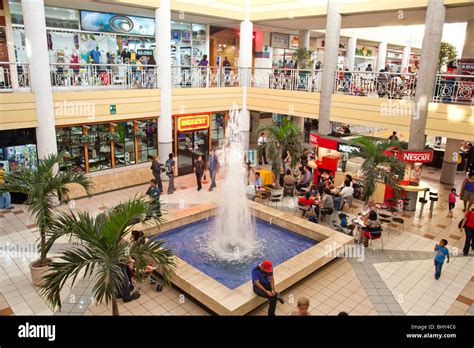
point(302, 307)
point(452, 201)
point(441, 253)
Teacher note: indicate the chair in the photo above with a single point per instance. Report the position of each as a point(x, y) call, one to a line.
point(304, 208)
point(387, 222)
point(289, 189)
point(400, 224)
point(423, 201)
point(276, 196)
point(372, 238)
point(347, 200)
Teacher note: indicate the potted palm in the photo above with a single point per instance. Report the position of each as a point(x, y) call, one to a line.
point(377, 166)
point(100, 248)
point(44, 187)
point(283, 139)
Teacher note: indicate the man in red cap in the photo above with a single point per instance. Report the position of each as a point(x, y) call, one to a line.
point(264, 285)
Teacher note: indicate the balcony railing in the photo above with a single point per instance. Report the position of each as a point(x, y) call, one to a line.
point(103, 76)
point(454, 89)
point(287, 79)
point(375, 84)
point(205, 76)
point(14, 77)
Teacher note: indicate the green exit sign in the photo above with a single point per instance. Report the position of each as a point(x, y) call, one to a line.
point(113, 109)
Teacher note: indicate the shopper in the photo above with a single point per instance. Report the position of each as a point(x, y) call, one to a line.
point(302, 307)
point(452, 201)
point(369, 67)
point(199, 171)
point(372, 229)
point(170, 164)
point(470, 158)
point(468, 225)
point(258, 181)
point(262, 151)
point(213, 166)
point(345, 193)
point(5, 197)
point(393, 137)
point(264, 285)
point(156, 169)
point(441, 253)
point(467, 191)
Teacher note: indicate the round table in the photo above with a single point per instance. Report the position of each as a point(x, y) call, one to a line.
point(412, 194)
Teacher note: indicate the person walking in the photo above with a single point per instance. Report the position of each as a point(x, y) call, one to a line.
point(452, 202)
point(262, 158)
point(213, 166)
point(156, 169)
point(5, 197)
point(264, 285)
point(468, 225)
point(199, 171)
point(170, 164)
point(467, 191)
point(441, 253)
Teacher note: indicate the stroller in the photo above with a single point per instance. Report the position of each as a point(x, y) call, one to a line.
point(343, 225)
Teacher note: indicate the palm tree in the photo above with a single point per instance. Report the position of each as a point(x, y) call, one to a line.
point(377, 165)
point(44, 187)
point(103, 250)
point(280, 140)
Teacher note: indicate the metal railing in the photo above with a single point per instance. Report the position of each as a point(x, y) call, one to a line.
point(375, 84)
point(186, 76)
point(288, 79)
point(14, 77)
point(103, 76)
point(454, 89)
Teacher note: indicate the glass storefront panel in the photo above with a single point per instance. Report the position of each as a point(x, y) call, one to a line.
point(99, 149)
point(218, 129)
point(18, 157)
point(124, 149)
point(147, 140)
point(69, 139)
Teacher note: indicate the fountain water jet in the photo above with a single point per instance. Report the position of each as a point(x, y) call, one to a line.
point(233, 237)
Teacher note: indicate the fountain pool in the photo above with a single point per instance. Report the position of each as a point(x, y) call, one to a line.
point(274, 243)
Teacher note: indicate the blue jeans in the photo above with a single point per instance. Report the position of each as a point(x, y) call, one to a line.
point(5, 200)
point(438, 266)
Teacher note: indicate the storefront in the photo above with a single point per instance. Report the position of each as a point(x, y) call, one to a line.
point(100, 146)
point(195, 135)
point(116, 38)
point(284, 46)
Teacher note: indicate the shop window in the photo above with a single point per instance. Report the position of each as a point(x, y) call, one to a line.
point(124, 149)
point(70, 140)
point(218, 129)
point(99, 148)
point(18, 157)
point(147, 140)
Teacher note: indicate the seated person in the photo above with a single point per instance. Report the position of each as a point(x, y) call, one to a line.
point(372, 227)
point(305, 180)
point(258, 180)
point(347, 177)
point(368, 208)
point(289, 179)
point(322, 186)
point(314, 192)
point(307, 199)
point(138, 237)
point(346, 191)
point(327, 203)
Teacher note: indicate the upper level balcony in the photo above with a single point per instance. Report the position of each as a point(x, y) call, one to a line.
point(448, 88)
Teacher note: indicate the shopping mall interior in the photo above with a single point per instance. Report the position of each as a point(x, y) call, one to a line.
point(236, 157)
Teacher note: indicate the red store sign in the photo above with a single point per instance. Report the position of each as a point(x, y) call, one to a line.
point(323, 142)
point(416, 156)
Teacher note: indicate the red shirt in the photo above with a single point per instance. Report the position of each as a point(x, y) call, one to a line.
point(470, 219)
point(305, 201)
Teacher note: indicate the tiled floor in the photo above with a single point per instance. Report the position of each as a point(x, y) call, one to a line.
point(396, 281)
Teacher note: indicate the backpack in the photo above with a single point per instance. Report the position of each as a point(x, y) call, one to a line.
point(343, 218)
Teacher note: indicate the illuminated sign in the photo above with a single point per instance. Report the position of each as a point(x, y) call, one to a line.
point(416, 156)
point(313, 138)
point(347, 148)
point(193, 122)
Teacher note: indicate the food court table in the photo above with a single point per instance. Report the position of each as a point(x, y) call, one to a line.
point(412, 194)
point(267, 176)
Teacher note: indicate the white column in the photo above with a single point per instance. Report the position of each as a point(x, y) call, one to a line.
point(304, 36)
point(381, 56)
point(435, 15)
point(10, 45)
point(468, 48)
point(245, 63)
point(406, 58)
point(331, 51)
point(298, 122)
point(163, 49)
point(351, 51)
point(37, 52)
